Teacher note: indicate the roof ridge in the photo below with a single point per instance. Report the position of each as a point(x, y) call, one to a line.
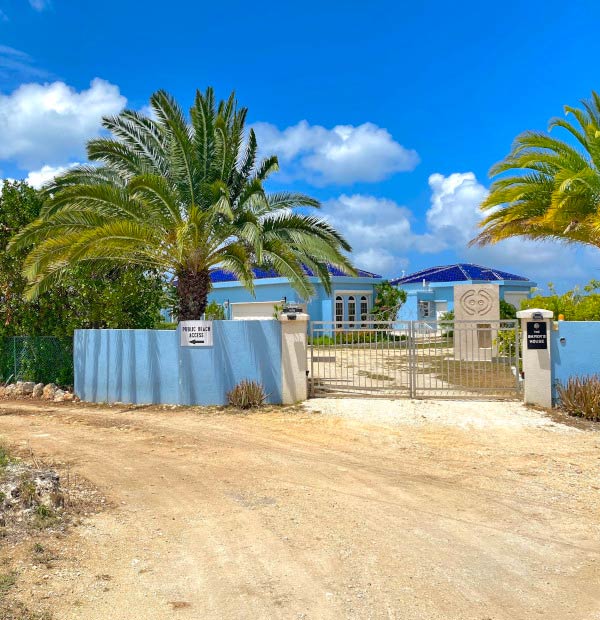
point(460, 266)
point(263, 273)
point(468, 271)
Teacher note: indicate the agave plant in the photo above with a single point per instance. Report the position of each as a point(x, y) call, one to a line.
point(580, 396)
point(548, 188)
point(184, 196)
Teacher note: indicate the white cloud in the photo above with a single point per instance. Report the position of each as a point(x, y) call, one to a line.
point(379, 260)
point(38, 178)
point(453, 221)
point(48, 124)
point(379, 231)
point(343, 155)
point(40, 5)
point(382, 235)
point(454, 211)
point(369, 222)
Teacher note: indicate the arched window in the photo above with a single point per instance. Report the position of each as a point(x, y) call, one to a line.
point(364, 309)
point(351, 310)
point(339, 311)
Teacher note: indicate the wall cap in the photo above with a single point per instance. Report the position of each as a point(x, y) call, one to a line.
point(528, 314)
point(298, 317)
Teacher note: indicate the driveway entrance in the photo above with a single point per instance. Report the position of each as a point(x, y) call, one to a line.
point(415, 359)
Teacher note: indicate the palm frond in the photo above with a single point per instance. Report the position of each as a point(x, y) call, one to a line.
point(545, 184)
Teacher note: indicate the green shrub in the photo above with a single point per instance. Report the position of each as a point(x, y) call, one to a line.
point(388, 301)
point(507, 311)
point(576, 304)
point(214, 312)
point(246, 395)
point(506, 341)
point(580, 397)
point(356, 337)
point(166, 325)
point(43, 359)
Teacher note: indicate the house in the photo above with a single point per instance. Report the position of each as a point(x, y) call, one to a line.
point(350, 299)
point(431, 291)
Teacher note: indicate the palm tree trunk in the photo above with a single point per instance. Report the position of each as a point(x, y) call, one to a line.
point(192, 292)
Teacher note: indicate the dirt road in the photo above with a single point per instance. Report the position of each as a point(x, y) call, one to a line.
point(294, 515)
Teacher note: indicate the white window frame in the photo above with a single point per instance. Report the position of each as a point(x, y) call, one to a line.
point(364, 310)
point(339, 318)
point(426, 309)
point(351, 313)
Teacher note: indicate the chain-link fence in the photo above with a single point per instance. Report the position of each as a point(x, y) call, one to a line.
point(43, 359)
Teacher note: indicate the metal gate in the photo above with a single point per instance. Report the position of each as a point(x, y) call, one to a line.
point(415, 359)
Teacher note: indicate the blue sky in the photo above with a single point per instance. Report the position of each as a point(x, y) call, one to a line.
point(391, 113)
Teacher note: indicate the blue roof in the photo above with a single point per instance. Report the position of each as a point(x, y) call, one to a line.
point(460, 272)
point(221, 275)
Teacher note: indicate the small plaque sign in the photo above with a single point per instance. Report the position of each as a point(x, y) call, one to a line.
point(537, 335)
point(196, 333)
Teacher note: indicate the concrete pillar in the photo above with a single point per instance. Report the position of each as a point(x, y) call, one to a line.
point(536, 355)
point(294, 346)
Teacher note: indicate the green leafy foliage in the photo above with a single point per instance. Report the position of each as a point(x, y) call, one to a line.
point(86, 296)
point(214, 312)
point(580, 397)
point(507, 311)
point(506, 341)
point(388, 301)
point(576, 304)
point(42, 359)
point(277, 310)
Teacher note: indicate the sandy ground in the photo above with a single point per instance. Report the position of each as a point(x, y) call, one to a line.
point(467, 414)
point(394, 510)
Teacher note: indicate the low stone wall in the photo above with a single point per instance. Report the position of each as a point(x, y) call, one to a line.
point(150, 366)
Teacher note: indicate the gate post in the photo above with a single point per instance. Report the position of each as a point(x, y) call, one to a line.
point(294, 349)
point(536, 325)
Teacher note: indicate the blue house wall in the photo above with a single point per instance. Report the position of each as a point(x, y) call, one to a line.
point(320, 307)
point(443, 295)
point(439, 289)
point(435, 285)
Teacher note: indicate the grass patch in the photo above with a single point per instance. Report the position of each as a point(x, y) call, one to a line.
point(17, 611)
point(4, 458)
point(356, 337)
point(469, 375)
point(374, 375)
point(7, 581)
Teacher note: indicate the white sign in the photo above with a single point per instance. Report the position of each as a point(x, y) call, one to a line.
point(196, 333)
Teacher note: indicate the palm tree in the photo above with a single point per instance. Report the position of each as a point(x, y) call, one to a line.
point(552, 189)
point(183, 197)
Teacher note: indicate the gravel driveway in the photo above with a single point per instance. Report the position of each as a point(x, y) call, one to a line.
point(368, 510)
point(461, 414)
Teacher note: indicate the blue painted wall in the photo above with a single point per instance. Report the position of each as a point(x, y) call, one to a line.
point(149, 366)
point(579, 354)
